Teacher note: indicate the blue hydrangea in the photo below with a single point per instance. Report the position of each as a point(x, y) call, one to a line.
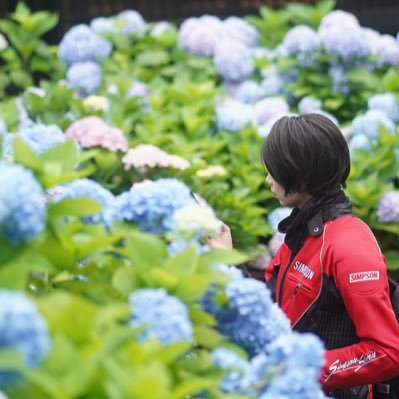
point(249, 92)
point(301, 39)
point(266, 109)
point(163, 316)
point(87, 188)
point(370, 122)
point(131, 21)
point(152, 204)
point(388, 50)
point(233, 61)
point(85, 77)
point(388, 208)
point(250, 319)
point(179, 245)
point(237, 29)
point(300, 358)
point(339, 81)
point(236, 369)
point(386, 103)
point(273, 84)
point(21, 328)
point(309, 104)
point(81, 44)
point(277, 215)
point(22, 213)
point(38, 137)
point(347, 44)
point(361, 142)
point(233, 116)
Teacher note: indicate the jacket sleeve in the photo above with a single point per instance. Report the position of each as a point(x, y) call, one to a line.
point(271, 273)
point(361, 278)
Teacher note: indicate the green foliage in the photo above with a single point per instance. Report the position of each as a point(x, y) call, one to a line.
point(28, 57)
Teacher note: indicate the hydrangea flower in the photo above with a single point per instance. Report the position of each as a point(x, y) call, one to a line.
point(87, 188)
point(309, 104)
point(198, 219)
point(388, 208)
point(300, 357)
point(236, 369)
point(164, 316)
point(343, 19)
point(201, 35)
point(160, 27)
point(146, 156)
point(250, 319)
point(153, 203)
point(81, 44)
point(22, 215)
point(269, 107)
point(370, 122)
point(3, 42)
point(233, 115)
point(327, 115)
point(237, 29)
point(233, 61)
point(96, 103)
point(249, 92)
point(21, 328)
point(85, 77)
point(264, 130)
point(262, 260)
point(360, 141)
point(103, 25)
point(275, 242)
point(348, 44)
point(339, 80)
point(130, 21)
point(389, 50)
point(277, 215)
point(301, 39)
point(92, 131)
point(38, 137)
point(137, 89)
point(273, 84)
point(211, 171)
point(386, 103)
point(178, 245)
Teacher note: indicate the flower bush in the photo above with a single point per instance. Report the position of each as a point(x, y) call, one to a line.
point(102, 244)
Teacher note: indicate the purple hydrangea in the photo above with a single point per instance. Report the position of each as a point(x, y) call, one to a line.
point(81, 44)
point(343, 19)
point(301, 40)
point(233, 115)
point(250, 319)
point(388, 208)
point(273, 84)
point(249, 92)
point(38, 137)
point(389, 50)
point(269, 107)
point(85, 77)
point(348, 44)
point(387, 103)
point(277, 215)
point(130, 21)
point(87, 188)
point(103, 25)
point(21, 328)
point(370, 123)
point(201, 35)
point(152, 204)
point(22, 214)
point(233, 60)
point(237, 29)
point(309, 104)
point(163, 316)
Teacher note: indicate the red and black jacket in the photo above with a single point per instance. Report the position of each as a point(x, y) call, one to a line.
point(332, 281)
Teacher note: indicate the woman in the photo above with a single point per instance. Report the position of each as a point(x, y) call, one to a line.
point(329, 276)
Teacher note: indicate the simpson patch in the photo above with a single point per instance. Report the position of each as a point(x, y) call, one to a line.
point(364, 276)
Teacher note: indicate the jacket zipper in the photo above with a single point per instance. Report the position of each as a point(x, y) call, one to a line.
point(280, 294)
point(296, 289)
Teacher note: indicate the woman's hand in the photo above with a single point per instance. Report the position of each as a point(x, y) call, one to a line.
point(221, 241)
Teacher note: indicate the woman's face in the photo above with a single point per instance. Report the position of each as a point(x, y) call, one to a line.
point(292, 200)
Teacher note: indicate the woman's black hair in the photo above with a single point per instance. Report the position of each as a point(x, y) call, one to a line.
point(307, 153)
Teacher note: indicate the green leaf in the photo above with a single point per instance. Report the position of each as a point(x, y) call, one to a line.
point(207, 336)
point(152, 58)
point(74, 207)
point(231, 257)
point(124, 280)
point(24, 155)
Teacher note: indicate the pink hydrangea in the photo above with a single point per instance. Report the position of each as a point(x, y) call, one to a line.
point(275, 243)
point(92, 131)
point(147, 156)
